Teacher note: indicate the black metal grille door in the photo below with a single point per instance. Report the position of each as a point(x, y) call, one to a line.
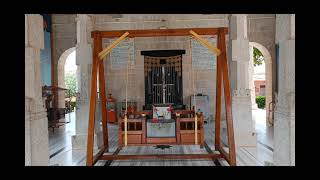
point(163, 80)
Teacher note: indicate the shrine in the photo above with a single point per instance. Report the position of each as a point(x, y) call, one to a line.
point(164, 120)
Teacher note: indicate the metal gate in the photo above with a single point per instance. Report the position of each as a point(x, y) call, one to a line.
point(163, 80)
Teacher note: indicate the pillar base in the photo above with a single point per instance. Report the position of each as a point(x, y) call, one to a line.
point(36, 134)
point(284, 138)
point(243, 124)
point(37, 144)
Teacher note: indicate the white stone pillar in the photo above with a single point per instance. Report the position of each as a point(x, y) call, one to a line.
point(241, 98)
point(284, 121)
point(84, 62)
point(36, 122)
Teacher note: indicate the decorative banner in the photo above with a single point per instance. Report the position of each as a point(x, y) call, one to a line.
point(202, 57)
point(120, 54)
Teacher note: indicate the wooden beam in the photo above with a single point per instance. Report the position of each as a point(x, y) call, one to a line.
point(161, 156)
point(224, 154)
point(99, 154)
point(93, 96)
point(184, 112)
point(107, 50)
point(159, 32)
point(134, 132)
point(131, 120)
point(209, 150)
point(206, 43)
point(227, 95)
point(108, 163)
point(188, 119)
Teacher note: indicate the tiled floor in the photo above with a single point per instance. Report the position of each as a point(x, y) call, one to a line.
point(61, 153)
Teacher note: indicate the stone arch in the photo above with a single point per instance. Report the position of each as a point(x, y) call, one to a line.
point(60, 70)
point(268, 74)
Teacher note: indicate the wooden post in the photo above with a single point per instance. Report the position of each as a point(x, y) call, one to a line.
point(144, 131)
point(201, 130)
point(218, 97)
point(93, 96)
point(103, 96)
point(194, 95)
point(125, 130)
point(178, 136)
point(195, 128)
point(227, 95)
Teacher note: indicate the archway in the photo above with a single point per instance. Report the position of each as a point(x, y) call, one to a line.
point(61, 71)
point(268, 79)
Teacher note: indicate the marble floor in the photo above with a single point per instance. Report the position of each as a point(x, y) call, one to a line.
point(62, 154)
point(264, 132)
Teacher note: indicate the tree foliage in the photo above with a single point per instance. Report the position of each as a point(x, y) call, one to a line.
point(71, 84)
point(257, 57)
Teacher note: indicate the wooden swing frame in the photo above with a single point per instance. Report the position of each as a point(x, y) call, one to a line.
point(222, 77)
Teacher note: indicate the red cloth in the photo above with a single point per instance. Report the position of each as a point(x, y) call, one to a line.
point(170, 109)
point(154, 120)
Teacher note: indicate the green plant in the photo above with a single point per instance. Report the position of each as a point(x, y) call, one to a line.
point(257, 57)
point(73, 105)
point(71, 85)
point(261, 101)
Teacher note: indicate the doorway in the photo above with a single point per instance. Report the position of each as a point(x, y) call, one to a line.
point(261, 93)
point(163, 77)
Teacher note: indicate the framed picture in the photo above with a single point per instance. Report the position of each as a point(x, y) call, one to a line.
point(162, 112)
